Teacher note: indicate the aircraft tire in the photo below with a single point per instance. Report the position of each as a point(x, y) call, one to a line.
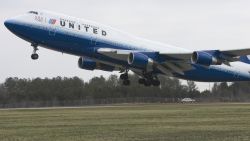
point(34, 56)
point(124, 76)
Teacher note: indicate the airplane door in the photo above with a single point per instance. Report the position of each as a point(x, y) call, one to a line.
point(93, 40)
point(52, 31)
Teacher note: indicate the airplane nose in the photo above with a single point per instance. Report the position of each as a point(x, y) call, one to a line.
point(10, 24)
point(6, 23)
point(17, 26)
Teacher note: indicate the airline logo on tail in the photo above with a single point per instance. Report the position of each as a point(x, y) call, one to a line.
point(52, 21)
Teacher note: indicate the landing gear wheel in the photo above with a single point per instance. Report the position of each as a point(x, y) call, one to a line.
point(124, 76)
point(126, 82)
point(156, 83)
point(34, 56)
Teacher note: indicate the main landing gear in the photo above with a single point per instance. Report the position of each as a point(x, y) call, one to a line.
point(149, 80)
point(125, 79)
point(34, 55)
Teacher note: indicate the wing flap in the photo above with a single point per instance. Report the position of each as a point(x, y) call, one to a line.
point(170, 68)
point(114, 53)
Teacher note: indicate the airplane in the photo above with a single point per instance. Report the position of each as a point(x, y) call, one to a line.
point(101, 47)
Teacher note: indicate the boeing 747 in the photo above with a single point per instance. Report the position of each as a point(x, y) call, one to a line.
point(101, 47)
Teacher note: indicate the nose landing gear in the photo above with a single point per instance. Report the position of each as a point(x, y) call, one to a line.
point(34, 55)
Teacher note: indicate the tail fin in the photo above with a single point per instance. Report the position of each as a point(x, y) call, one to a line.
point(245, 59)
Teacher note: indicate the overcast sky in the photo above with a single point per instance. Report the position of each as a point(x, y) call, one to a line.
point(199, 24)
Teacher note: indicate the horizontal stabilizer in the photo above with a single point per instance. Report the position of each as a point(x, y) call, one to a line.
point(244, 59)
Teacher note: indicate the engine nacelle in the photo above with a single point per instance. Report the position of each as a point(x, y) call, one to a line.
point(89, 64)
point(204, 58)
point(140, 60)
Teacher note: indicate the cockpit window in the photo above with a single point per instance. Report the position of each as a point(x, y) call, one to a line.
point(33, 12)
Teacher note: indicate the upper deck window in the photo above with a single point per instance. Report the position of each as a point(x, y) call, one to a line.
point(33, 12)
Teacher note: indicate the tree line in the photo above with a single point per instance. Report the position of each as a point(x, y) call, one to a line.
point(60, 91)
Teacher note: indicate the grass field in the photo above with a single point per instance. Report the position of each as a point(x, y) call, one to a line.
point(168, 122)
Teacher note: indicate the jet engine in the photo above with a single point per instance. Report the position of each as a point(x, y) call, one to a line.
point(89, 64)
point(204, 58)
point(140, 60)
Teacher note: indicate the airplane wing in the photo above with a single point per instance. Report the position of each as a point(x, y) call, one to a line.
point(180, 62)
point(177, 56)
point(187, 55)
point(237, 52)
point(177, 62)
point(123, 54)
